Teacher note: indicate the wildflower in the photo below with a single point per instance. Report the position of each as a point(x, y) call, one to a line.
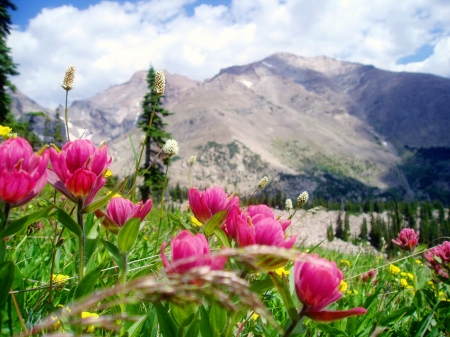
point(89, 316)
point(281, 271)
point(195, 222)
point(346, 262)
point(5, 131)
point(263, 182)
point(408, 275)
point(407, 239)
point(59, 278)
point(78, 170)
point(404, 284)
point(68, 78)
point(317, 282)
point(255, 317)
point(257, 226)
point(116, 195)
point(22, 172)
point(160, 83)
point(355, 292)
point(192, 160)
point(302, 199)
point(170, 148)
point(209, 202)
point(288, 204)
point(419, 262)
point(119, 210)
point(188, 246)
point(108, 173)
point(438, 258)
point(343, 286)
point(394, 269)
point(368, 275)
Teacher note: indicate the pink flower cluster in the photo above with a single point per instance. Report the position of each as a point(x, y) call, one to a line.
point(22, 172)
point(78, 170)
point(442, 252)
point(407, 239)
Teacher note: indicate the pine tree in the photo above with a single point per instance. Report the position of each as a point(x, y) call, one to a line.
point(346, 235)
point(7, 67)
point(330, 234)
point(156, 137)
point(339, 227)
point(364, 231)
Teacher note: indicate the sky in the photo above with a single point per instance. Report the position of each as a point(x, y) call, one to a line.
point(108, 41)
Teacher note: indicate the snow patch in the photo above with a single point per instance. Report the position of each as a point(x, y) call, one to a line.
point(248, 84)
point(268, 65)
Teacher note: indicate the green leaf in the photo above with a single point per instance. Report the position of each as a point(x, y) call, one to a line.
point(283, 290)
point(87, 283)
point(144, 271)
point(172, 217)
point(193, 329)
point(261, 286)
point(396, 315)
point(166, 324)
point(115, 253)
point(2, 249)
point(205, 326)
point(7, 272)
point(135, 329)
point(103, 201)
point(330, 330)
point(222, 237)
point(218, 317)
point(215, 221)
point(67, 221)
point(182, 313)
point(91, 237)
point(17, 225)
point(128, 234)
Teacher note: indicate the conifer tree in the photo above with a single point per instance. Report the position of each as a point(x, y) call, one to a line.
point(7, 67)
point(339, 227)
point(364, 231)
point(346, 234)
point(156, 137)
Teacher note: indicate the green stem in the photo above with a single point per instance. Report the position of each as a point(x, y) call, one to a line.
point(162, 207)
point(293, 325)
point(413, 269)
point(138, 164)
point(82, 239)
point(123, 281)
point(52, 266)
point(66, 115)
point(6, 211)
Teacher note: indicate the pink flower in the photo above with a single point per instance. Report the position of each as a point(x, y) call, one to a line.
point(194, 249)
point(120, 210)
point(367, 276)
point(22, 172)
point(209, 202)
point(407, 239)
point(442, 252)
point(78, 169)
point(257, 226)
point(317, 283)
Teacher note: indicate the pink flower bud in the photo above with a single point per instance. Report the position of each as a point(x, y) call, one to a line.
point(407, 239)
point(193, 249)
point(22, 172)
point(317, 283)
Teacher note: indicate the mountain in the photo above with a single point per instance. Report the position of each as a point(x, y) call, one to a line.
point(334, 128)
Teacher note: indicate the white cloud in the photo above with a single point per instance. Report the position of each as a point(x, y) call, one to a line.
point(109, 41)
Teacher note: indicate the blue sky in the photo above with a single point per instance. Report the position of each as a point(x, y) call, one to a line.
point(109, 41)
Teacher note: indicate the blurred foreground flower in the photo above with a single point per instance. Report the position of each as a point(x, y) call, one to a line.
point(78, 170)
point(407, 239)
point(192, 248)
point(438, 258)
point(317, 284)
point(119, 210)
point(22, 172)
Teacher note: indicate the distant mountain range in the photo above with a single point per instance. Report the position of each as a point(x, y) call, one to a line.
point(337, 129)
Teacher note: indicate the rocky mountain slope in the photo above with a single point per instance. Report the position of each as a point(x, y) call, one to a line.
point(334, 128)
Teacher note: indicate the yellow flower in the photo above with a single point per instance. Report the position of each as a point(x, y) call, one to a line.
point(281, 271)
point(255, 317)
point(195, 222)
point(419, 262)
point(107, 173)
point(59, 278)
point(394, 269)
point(404, 284)
point(87, 315)
point(4, 130)
point(343, 286)
point(409, 275)
point(117, 195)
point(355, 291)
point(347, 262)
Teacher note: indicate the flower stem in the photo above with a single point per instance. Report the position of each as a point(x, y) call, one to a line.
point(6, 212)
point(66, 116)
point(16, 305)
point(162, 206)
point(293, 325)
point(82, 238)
